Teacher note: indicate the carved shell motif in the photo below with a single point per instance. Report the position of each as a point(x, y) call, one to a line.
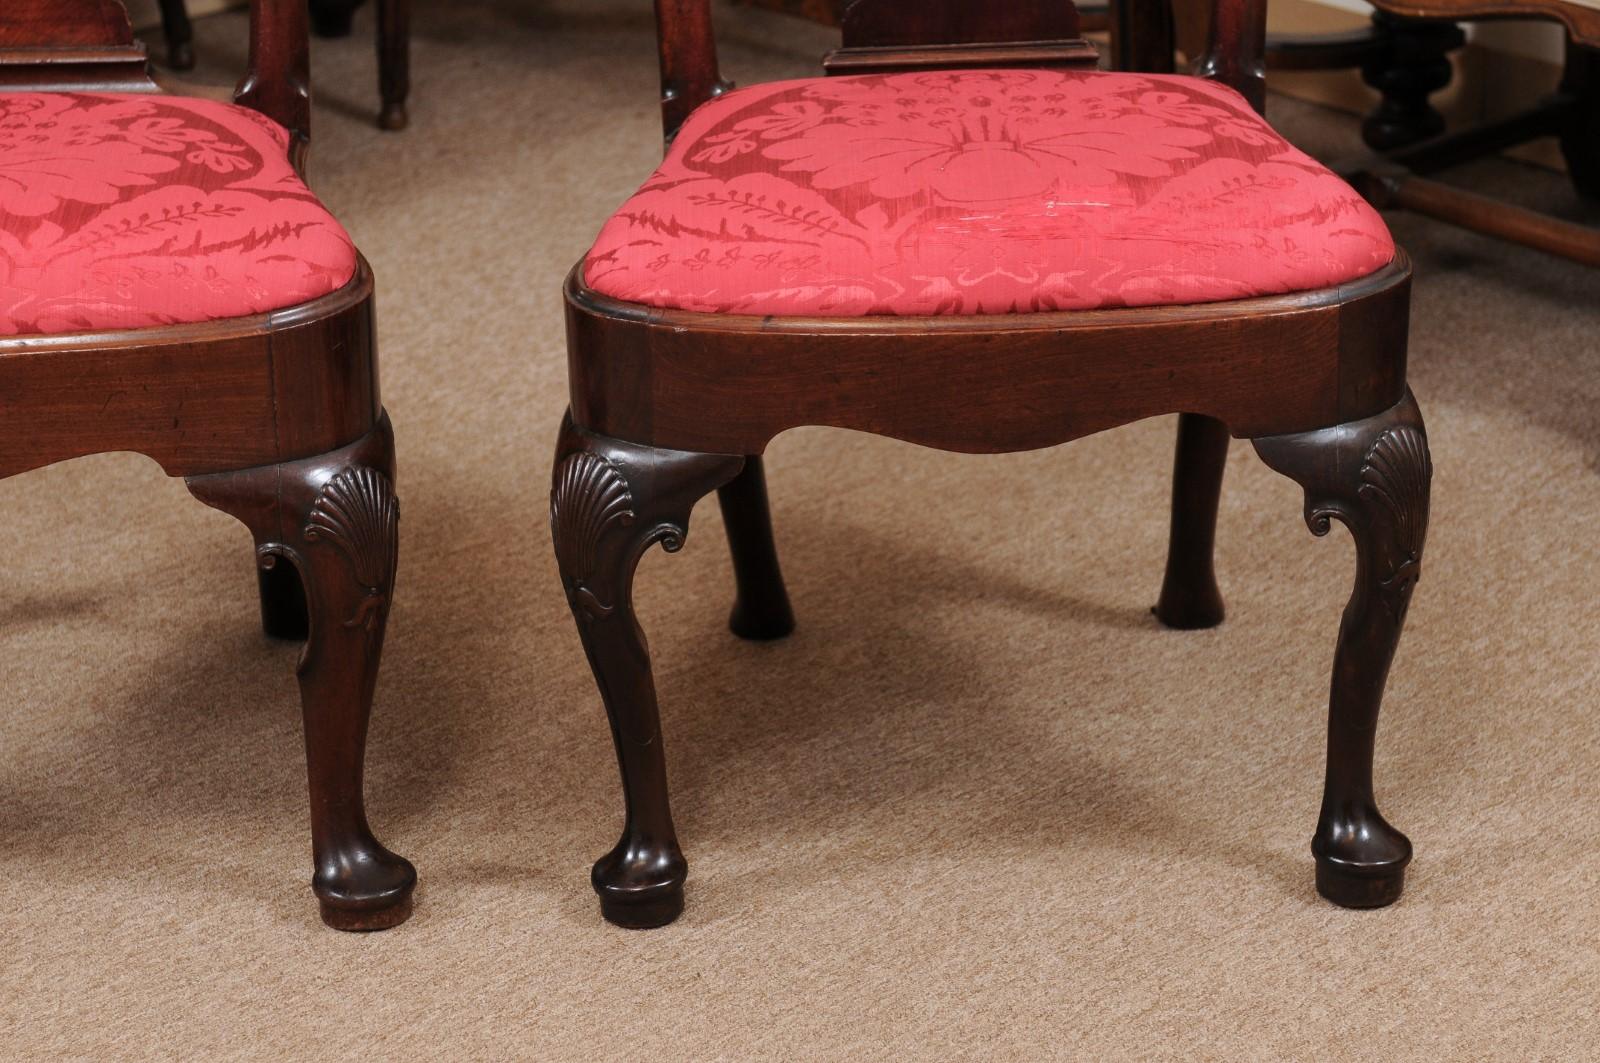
point(588, 497)
point(1394, 476)
point(358, 513)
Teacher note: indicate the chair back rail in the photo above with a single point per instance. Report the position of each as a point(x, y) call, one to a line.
point(88, 45)
point(1143, 38)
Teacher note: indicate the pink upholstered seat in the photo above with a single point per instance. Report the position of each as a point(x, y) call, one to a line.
point(129, 211)
point(984, 191)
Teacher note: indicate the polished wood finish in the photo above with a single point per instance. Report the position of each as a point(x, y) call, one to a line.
point(1372, 476)
point(274, 418)
point(1581, 21)
point(70, 46)
point(1190, 598)
point(277, 386)
point(179, 32)
point(330, 18)
point(985, 384)
point(761, 610)
point(1482, 214)
point(1573, 116)
point(610, 501)
point(333, 521)
point(668, 405)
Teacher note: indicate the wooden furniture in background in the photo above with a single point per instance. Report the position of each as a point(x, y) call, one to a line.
point(329, 18)
point(1572, 116)
point(669, 404)
point(274, 417)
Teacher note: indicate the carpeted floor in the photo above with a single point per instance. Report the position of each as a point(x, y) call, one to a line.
point(980, 805)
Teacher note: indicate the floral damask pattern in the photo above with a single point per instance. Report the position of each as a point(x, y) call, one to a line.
point(130, 211)
point(983, 191)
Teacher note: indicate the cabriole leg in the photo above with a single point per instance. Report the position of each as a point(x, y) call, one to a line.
point(1189, 596)
point(1372, 476)
point(609, 502)
point(761, 605)
point(334, 520)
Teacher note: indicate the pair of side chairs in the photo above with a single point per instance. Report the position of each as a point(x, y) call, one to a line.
point(965, 236)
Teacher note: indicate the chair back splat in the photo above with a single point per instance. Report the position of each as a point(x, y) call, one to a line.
point(889, 35)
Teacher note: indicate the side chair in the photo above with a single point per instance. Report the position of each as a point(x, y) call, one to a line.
point(968, 237)
point(170, 286)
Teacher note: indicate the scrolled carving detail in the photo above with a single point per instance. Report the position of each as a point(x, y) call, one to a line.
point(588, 498)
point(357, 512)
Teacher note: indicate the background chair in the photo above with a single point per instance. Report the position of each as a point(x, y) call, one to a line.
point(330, 18)
point(169, 286)
point(726, 302)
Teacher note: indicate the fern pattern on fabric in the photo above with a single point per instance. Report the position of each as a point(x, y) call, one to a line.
point(981, 191)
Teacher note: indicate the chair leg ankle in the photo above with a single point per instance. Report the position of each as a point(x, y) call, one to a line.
point(610, 501)
point(1372, 476)
point(333, 520)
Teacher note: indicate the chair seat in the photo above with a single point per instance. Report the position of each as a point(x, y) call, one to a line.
point(121, 211)
point(981, 192)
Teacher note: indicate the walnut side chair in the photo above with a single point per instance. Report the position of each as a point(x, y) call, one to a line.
point(969, 238)
point(169, 286)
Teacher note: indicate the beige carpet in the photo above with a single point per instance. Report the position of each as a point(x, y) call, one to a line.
point(979, 806)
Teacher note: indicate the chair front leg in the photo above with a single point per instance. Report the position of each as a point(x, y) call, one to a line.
point(334, 520)
point(1189, 595)
point(610, 501)
point(1373, 476)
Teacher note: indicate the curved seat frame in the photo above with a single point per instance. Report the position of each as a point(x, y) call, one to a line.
point(669, 405)
point(274, 418)
point(987, 383)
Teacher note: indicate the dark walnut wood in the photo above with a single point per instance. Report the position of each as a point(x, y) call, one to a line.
point(70, 45)
point(611, 501)
point(274, 418)
point(1372, 476)
point(668, 405)
point(332, 521)
point(175, 26)
point(330, 18)
point(1572, 115)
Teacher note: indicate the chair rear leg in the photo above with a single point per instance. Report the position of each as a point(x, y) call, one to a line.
point(761, 604)
point(394, 62)
point(179, 33)
point(1189, 595)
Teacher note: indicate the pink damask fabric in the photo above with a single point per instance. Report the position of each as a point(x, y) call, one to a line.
point(981, 192)
point(130, 211)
